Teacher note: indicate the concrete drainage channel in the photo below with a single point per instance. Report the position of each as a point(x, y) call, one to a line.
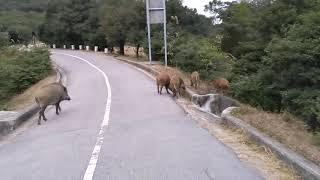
point(221, 107)
point(213, 103)
point(9, 120)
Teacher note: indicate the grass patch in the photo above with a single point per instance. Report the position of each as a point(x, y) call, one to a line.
point(21, 69)
point(25, 99)
point(284, 127)
point(316, 139)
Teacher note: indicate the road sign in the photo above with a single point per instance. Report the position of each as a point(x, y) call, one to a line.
point(156, 17)
point(156, 14)
point(156, 8)
point(156, 4)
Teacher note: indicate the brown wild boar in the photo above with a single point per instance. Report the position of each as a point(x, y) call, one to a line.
point(51, 94)
point(195, 78)
point(163, 80)
point(176, 84)
point(221, 85)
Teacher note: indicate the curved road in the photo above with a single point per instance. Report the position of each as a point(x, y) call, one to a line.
point(146, 136)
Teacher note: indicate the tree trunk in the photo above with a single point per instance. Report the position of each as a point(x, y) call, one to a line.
point(121, 46)
point(137, 50)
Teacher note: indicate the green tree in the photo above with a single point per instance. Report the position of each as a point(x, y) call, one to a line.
point(122, 23)
point(276, 44)
point(295, 60)
point(24, 5)
point(19, 24)
point(69, 22)
point(199, 54)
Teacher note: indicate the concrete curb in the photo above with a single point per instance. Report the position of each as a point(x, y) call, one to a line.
point(9, 124)
point(306, 168)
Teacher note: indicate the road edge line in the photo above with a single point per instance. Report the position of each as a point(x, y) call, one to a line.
point(88, 175)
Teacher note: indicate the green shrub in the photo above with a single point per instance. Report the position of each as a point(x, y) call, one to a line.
point(4, 40)
point(254, 91)
point(316, 139)
point(285, 77)
point(20, 70)
point(304, 103)
point(198, 54)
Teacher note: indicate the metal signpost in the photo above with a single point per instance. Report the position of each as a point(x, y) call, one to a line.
point(156, 14)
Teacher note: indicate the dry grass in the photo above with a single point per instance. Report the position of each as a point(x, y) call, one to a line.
point(285, 128)
point(26, 98)
point(130, 53)
point(257, 157)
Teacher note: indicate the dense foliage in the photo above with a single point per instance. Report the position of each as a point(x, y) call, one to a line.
point(199, 54)
point(124, 24)
point(19, 18)
point(277, 48)
point(24, 5)
point(20, 25)
point(4, 40)
point(70, 22)
point(21, 69)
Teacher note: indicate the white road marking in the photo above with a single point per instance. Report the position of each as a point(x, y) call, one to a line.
point(97, 148)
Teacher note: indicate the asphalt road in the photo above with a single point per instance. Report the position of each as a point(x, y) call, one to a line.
point(145, 136)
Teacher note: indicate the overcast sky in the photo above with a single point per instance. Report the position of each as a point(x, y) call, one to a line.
point(199, 5)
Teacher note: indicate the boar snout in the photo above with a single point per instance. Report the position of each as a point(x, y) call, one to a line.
point(68, 98)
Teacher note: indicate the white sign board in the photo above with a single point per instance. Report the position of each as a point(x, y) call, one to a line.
point(156, 17)
point(156, 8)
point(156, 4)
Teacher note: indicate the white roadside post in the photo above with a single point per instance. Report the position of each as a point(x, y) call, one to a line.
point(105, 50)
point(96, 49)
point(156, 14)
point(54, 46)
point(80, 47)
point(72, 47)
point(87, 48)
point(64, 47)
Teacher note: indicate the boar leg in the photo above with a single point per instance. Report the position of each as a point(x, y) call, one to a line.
point(39, 120)
point(42, 113)
point(57, 108)
point(161, 89)
point(167, 88)
point(158, 88)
